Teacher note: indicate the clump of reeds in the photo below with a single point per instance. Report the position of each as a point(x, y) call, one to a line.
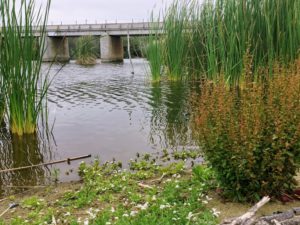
point(154, 55)
point(175, 39)
point(24, 88)
point(85, 51)
point(212, 38)
point(153, 50)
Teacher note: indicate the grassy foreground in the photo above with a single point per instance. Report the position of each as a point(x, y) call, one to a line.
point(147, 194)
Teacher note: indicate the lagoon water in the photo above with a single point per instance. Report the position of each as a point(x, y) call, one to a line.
point(103, 110)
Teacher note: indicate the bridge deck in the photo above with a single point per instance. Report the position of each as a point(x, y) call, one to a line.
point(113, 29)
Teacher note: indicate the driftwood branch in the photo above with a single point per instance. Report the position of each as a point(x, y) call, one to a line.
point(247, 218)
point(68, 160)
point(145, 186)
point(159, 180)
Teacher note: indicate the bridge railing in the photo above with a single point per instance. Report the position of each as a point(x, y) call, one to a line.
point(102, 27)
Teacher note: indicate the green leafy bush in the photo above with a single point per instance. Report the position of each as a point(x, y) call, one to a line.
point(251, 135)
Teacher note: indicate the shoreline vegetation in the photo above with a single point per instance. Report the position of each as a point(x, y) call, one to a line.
point(23, 89)
point(148, 193)
point(211, 40)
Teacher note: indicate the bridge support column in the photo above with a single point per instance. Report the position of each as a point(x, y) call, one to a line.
point(111, 49)
point(56, 49)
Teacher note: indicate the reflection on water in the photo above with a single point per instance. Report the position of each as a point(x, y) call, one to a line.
point(105, 111)
point(18, 152)
point(170, 115)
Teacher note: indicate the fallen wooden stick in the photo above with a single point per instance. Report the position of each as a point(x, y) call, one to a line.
point(68, 160)
point(159, 180)
point(144, 186)
point(248, 216)
point(11, 206)
point(25, 187)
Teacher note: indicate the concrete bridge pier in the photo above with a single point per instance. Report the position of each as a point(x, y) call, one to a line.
point(111, 48)
point(56, 49)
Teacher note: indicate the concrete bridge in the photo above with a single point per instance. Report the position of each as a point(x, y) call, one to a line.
point(111, 45)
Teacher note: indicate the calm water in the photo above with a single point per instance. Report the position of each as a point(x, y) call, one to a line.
point(105, 111)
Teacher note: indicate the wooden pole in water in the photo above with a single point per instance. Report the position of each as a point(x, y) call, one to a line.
point(68, 160)
point(129, 53)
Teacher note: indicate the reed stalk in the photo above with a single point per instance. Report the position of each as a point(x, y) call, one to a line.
point(212, 39)
point(24, 87)
point(152, 49)
point(175, 39)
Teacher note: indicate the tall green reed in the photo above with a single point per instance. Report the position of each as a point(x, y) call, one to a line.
point(153, 50)
point(211, 39)
point(175, 39)
point(20, 63)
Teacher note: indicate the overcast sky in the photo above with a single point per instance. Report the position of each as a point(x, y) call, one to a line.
point(70, 11)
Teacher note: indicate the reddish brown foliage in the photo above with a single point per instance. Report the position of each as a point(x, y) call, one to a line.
point(251, 135)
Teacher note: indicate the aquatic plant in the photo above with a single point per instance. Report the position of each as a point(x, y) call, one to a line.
point(267, 30)
point(175, 39)
point(20, 64)
point(152, 49)
point(209, 39)
point(154, 56)
point(85, 51)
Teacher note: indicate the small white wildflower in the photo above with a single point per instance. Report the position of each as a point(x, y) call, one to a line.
point(133, 213)
point(153, 198)
point(143, 207)
point(205, 202)
point(125, 215)
point(113, 209)
point(162, 206)
point(108, 223)
point(67, 214)
point(177, 186)
point(215, 212)
point(189, 216)
point(86, 222)
point(208, 198)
